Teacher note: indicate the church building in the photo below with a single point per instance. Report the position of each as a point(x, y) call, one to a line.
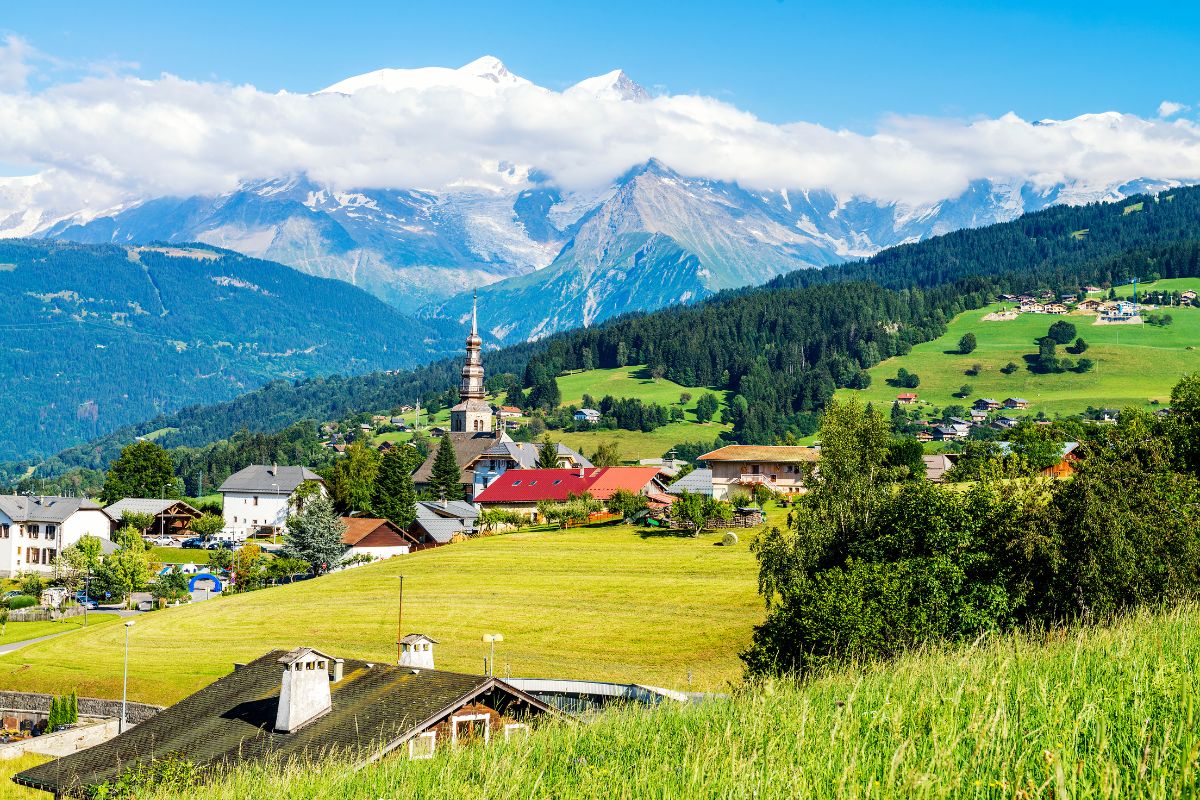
point(482, 447)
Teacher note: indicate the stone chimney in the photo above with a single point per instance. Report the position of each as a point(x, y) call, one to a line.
point(304, 694)
point(416, 650)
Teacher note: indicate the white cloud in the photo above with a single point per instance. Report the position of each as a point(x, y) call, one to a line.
point(110, 137)
point(16, 56)
point(1168, 108)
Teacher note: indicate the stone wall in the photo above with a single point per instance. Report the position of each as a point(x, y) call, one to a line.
point(88, 706)
point(63, 743)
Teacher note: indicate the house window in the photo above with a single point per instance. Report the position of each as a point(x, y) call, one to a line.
point(256, 500)
point(515, 728)
point(422, 745)
point(469, 727)
point(33, 531)
point(31, 555)
point(50, 531)
point(4, 531)
point(48, 555)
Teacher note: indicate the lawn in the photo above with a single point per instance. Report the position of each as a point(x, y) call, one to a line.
point(1103, 712)
point(1134, 363)
point(20, 631)
point(610, 603)
point(178, 555)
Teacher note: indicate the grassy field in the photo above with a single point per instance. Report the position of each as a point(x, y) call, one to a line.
point(1134, 363)
point(10, 767)
point(636, 382)
point(606, 602)
point(1097, 713)
point(20, 631)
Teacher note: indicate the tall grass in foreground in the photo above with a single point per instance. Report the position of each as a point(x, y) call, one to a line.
point(1098, 712)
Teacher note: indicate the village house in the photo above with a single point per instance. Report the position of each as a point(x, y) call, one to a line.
point(520, 491)
point(589, 415)
point(978, 415)
point(1089, 304)
point(35, 530)
point(258, 499)
point(1187, 296)
point(936, 466)
point(986, 404)
point(1005, 422)
point(1032, 307)
point(171, 517)
point(1092, 289)
point(304, 704)
point(439, 521)
point(1069, 298)
point(924, 435)
point(948, 433)
point(378, 538)
point(1016, 402)
point(906, 398)
point(1055, 308)
point(742, 467)
point(698, 481)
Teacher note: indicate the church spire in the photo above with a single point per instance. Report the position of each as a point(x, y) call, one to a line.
point(474, 315)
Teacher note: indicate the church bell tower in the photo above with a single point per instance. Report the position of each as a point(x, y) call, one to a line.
point(472, 414)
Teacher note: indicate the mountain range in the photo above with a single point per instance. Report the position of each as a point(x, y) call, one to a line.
point(545, 259)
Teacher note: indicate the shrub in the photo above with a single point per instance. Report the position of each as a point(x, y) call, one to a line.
point(22, 601)
point(1009, 368)
point(967, 343)
point(1061, 332)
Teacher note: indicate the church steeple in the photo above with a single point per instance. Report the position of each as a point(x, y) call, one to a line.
point(472, 414)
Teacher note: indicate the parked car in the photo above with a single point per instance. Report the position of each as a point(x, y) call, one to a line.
point(195, 543)
point(85, 601)
point(11, 594)
point(162, 541)
point(219, 544)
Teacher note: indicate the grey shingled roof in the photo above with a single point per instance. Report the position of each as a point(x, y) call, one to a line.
point(451, 508)
point(267, 479)
point(233, 720)
point(526, 453)
point(698, 481)
point(468, 446)
point(20, 508)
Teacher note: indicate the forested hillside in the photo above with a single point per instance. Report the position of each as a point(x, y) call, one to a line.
point(93, 337)
point(783, 349)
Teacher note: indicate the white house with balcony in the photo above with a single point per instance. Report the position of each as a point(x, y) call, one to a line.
point(259, 498)
point(35, 530)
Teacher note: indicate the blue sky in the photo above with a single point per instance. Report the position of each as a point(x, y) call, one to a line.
point(837, 64)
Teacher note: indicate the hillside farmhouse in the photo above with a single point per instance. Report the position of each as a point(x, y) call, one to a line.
point(738, 466)
point(438, 522)
point(35, 530)
point(259, 498)
point(302, 705)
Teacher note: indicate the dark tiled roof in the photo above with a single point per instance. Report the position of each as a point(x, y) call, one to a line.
point(20, 508)
point(268, 479)
point(468, 446)
point(232, 720)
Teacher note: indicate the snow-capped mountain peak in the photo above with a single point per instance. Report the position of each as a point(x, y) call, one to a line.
point(615, 85)
point(483, 76)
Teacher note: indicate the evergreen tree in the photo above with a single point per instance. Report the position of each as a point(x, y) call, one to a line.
point(315, 535)
point(547, 454)
point(967, 343)
point(352, 480)
point(394, 497)
point(446, 478)
point(622, 354)
point(143, 469)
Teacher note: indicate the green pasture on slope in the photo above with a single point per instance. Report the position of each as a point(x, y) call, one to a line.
point(1135, 364)
point(611, 603)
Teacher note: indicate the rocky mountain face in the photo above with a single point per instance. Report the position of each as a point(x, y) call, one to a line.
point(543, 258)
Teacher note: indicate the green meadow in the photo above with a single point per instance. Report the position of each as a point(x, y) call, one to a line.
point(1101, 712)
point(606, 602)
point(1135, 364)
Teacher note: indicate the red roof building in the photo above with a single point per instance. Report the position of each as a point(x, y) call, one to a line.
point(527, 487)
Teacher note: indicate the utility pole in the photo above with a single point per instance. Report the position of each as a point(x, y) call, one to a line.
point(400, 620)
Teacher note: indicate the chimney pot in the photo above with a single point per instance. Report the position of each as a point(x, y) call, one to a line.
point(339, 666)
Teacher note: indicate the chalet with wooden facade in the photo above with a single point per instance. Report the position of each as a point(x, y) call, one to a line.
point(906, 398)
point(378, 538)
point(171, 517)
point(780, 468)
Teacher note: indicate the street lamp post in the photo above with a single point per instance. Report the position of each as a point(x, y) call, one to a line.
point(491, 639)
point(87, 592)
point(125, 681)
